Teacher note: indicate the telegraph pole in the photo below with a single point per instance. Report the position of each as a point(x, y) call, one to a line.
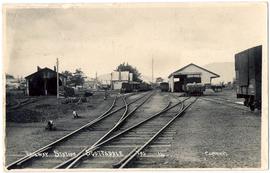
point(57, 81)
point(152, 70)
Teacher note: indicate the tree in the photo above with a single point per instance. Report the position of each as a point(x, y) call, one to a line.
point(69, 76)
point(159, 79)
point(130, 69)
point(76, 78)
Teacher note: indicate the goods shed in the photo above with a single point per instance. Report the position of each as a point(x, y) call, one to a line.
point(43, 82)
point(189, 74)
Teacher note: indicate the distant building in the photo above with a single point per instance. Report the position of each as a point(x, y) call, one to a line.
point(104, 79)
point(159, 80)
point(189, 73)
point(115, 79)
point(43, 82)
point(91, 83)
point(120, 77)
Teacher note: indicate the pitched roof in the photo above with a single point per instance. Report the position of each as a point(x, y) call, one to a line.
point(43, 69)
point(216, 75)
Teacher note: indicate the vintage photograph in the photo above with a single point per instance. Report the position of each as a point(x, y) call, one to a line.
point(135, 86)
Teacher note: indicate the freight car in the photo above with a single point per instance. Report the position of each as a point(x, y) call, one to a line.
point(164, 86)
point(126, 88)
point(130, 87)
point(217, 88)
point(248, 69)
point(144, 87)
point(192, 85)
point(194, 88)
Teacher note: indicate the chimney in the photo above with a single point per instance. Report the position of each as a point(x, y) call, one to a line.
point(38, 68)
point(54, 68)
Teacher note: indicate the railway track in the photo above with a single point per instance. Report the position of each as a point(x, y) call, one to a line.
point(60, 150)
point(123, 146)
point(20, 103)
point(120, 145)
point(155, 139)
point(226, 103)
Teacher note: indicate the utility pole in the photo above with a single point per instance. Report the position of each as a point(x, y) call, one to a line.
point(152, 70)
point(57, 81)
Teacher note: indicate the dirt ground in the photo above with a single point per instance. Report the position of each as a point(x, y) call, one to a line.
point(212, 135)
point(44, 108)
point(22, 137)
point(209, 135)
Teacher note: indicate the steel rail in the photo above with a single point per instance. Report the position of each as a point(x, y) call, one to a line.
point(126, 108)
point(227, 103)
point(132, 156)
point(81, 152)
point(223, 100)
point(49, 146)
point(74, 160)
point(90, 150)
point(129, 129)
point(106, 115)
point(118, 164)
point(142, 122)
point(139, 124)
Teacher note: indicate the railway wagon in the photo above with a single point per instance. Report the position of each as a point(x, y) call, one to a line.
point(136, 86)
point(194, 88)
point(248, 69)
point(144, 87)
point(126, 88)
point(130, 87)
point(164, 86)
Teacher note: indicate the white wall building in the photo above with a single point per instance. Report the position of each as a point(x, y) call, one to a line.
point(119, 77)
point(115, 79)
point(191, 72)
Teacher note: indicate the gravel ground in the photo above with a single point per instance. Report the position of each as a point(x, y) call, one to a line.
point(212, 135)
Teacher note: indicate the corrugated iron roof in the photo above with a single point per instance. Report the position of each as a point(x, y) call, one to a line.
point(41, 70)
point(178, 71)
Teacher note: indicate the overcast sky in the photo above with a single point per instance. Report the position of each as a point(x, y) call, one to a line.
point(98, 38)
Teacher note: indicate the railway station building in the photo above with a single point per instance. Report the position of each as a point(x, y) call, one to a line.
point(190, 72)
point(43, 82)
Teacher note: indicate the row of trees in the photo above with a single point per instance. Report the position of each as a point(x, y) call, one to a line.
point(75, 78)
point(130, 69)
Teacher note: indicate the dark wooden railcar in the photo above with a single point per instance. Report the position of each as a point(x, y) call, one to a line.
point(192, 85)
point(126, 88)
point(130, 87)
point(164, 86)
point(144, 87)
point(248, 69)
point(194, 88)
